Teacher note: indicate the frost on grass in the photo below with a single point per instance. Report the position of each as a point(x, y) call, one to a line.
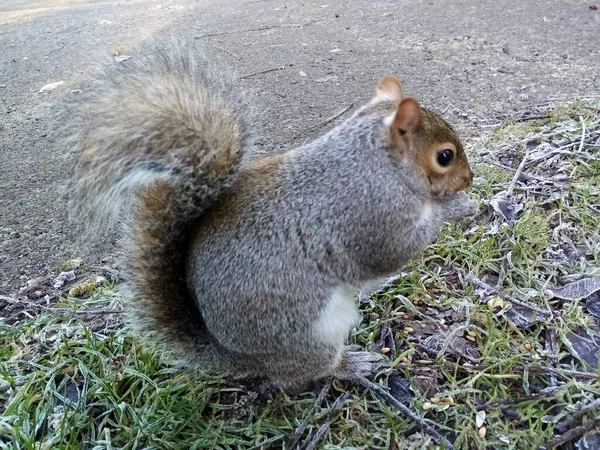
point(493, 333)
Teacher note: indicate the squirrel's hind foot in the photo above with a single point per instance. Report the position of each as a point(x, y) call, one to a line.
point(357, 363)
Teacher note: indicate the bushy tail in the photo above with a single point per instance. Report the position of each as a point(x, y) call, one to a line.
point(168, 128)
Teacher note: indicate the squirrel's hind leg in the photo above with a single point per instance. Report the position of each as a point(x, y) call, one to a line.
point(356, 363)
point(352, 363)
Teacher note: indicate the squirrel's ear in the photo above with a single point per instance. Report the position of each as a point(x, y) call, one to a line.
point(388, 89)
point(408, 116)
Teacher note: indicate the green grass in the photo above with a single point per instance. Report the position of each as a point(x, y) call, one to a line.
point(71, 381)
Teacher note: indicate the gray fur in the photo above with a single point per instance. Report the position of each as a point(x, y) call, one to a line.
point(343, 213)
point(263, 244)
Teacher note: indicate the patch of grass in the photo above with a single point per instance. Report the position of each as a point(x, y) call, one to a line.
point(79, 381)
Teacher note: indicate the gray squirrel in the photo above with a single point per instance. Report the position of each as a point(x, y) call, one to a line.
point(250, 266)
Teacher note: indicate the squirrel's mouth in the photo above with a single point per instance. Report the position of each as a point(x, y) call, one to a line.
point(449, 191)
point(440, 193)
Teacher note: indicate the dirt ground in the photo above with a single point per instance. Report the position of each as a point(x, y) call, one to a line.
point(476, 62)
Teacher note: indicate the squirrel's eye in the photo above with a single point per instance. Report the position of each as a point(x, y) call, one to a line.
point(445, 157)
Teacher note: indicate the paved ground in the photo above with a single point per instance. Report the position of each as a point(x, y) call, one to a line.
point(476, 61)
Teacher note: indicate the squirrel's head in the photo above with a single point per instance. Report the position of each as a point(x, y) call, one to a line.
point(424, 138)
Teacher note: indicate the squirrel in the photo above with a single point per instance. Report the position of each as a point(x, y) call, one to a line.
point(249, 266)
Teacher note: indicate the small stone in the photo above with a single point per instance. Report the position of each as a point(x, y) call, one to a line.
point(471, 333)
point(435, 399)
point(59, 281)
point(527, 346)
point(471, 338)
point(34, 282)
point(409, 330)
point(385, 350)
point(50, 86)
point(69, 275)
point(445, 327)
point(482, 432)
point(427, 406)
point(302, 74)
point(448, 400)
point(405, 316)
point(121, 58)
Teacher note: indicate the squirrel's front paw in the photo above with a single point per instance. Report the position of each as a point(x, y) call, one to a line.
point(458, 207)
point(357, 363)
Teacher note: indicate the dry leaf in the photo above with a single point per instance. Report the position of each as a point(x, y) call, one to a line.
point(593, 304)
point(577, 290)
point(584, 346)
point(523, 317)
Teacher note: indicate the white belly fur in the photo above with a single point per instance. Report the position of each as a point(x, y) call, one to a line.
point(426, 215)
point(337, 318)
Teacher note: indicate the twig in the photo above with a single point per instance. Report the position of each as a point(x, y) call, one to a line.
point(481, 284)
point(526, 176)
point(335, 409)
point(228, 52)
point(565, 424)
point(509, 193)
point(476, 368)
point(517, 175)
point(552, 348)
point(260, 72)
point(572, 434)
point(524, 118)
point(323, 123)
point(67, 311)
point(385, 395)
point(582, 133)
point(293, 442)
point(517, 400)
point(246, 30)
point(388, 335)
point(558, 371)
